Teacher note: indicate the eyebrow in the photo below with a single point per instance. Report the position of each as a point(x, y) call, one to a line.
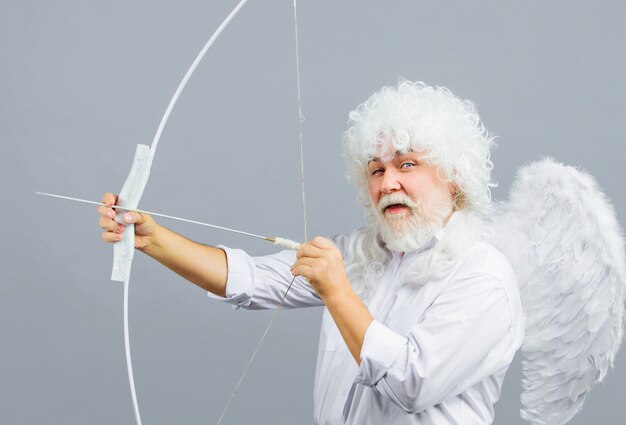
point(395, 155)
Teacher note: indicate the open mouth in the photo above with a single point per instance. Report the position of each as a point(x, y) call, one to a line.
point(394, 208)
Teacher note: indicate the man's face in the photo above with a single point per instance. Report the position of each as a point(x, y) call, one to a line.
point(410, 200)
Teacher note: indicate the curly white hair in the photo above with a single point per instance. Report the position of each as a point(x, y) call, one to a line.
point(420, 118)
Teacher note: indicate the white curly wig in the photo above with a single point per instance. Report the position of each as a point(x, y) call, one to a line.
point(417, 117)
point(448, 131)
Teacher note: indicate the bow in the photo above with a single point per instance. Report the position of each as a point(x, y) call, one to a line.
point(133, 188)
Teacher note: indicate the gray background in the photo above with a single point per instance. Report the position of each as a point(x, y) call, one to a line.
point(82, 82)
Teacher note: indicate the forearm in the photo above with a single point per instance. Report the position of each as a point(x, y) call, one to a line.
point(202, 265)
point(352, 318)
point(321, 263)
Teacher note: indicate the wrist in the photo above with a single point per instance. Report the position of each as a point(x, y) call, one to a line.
point(152, 242)
point(339, 295)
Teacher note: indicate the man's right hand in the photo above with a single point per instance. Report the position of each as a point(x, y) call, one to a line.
point(145, 226)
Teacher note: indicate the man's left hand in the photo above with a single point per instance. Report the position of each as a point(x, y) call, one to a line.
point(320, 262)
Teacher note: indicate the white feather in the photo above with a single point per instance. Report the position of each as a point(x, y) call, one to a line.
point(562, 237)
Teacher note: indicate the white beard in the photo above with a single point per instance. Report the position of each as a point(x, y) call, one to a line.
point(414, 228)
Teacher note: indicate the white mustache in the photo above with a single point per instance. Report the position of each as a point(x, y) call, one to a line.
point(394, 199)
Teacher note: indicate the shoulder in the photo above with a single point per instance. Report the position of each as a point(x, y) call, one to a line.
point(484, 258)
point(346, 241)
point(464, 243)
point(486, 265)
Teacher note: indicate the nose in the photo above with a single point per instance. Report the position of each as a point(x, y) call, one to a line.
point(390, 182)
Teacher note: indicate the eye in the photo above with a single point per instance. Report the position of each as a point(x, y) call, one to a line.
point(376, 171)
point(408, 164)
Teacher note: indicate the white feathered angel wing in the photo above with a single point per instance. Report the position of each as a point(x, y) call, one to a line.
point(562, 237)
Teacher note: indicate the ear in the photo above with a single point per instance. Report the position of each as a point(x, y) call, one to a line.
point(454, 189)
point(458, 197)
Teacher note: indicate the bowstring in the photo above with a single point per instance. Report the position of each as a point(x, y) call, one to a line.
point(254, 353)
point(300, 118)
point(284, 297)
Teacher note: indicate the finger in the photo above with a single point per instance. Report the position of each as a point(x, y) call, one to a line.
point(322, 243)
point(109, 199)
point(305, 261)
point(132, 217)
point(111, 237)
point(106, 212)
point(111, 225)
point(309, 250)
point(302, 270)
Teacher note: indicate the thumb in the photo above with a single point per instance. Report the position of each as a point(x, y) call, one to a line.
point(127, 217)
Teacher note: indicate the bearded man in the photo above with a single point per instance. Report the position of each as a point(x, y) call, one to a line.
point(422, 317)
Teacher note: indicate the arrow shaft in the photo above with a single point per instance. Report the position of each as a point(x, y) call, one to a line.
point(171, 217)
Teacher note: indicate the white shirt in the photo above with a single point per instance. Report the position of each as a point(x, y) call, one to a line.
point(435, 353)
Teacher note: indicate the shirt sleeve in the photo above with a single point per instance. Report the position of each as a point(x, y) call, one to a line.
point(261, 282)
point(466, 335)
